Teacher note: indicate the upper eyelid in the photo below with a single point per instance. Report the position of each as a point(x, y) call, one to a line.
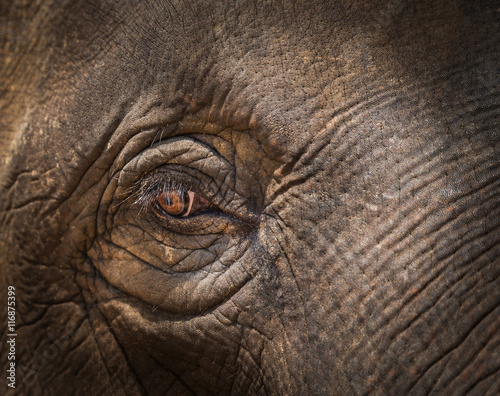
point(183, 151)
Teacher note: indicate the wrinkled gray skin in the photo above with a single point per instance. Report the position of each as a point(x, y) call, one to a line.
point(351, 151)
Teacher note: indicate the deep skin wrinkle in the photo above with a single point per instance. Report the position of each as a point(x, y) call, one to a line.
point(349, 150)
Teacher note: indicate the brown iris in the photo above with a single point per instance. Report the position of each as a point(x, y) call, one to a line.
point(179, 203)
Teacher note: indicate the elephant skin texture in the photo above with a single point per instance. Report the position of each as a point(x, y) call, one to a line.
point(250, 197)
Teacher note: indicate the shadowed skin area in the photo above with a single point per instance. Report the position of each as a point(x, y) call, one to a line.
point(348, 155)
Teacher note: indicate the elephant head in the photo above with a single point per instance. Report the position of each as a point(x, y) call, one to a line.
point(250, 197)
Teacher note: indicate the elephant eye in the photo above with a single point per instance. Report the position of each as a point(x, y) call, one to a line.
point(182, 203)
